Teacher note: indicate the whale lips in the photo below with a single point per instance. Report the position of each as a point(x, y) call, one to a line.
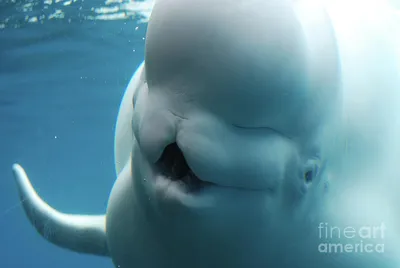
point(172, 164)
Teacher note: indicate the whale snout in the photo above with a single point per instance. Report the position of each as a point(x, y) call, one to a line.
point(199, 150)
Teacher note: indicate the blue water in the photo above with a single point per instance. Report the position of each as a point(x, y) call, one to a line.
point(64, 66)
point(61, 82)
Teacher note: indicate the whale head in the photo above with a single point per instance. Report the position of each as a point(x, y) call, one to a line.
point(231, 121)
point(242, 104)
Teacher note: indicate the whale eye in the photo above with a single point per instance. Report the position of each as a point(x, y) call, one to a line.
point(310, 171)
point(308, 176)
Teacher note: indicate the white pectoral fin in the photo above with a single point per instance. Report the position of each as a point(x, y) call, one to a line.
point(79, 233)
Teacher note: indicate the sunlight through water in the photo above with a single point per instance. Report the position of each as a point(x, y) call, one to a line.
point(16, 14)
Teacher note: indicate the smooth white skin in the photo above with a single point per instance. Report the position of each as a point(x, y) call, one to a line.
point(123, 129)
point(250, 103)
point(366, 187)
point(256, 155)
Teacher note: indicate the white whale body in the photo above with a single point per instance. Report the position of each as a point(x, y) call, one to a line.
point(230, 146)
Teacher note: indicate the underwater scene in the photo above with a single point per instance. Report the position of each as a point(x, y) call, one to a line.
point(200, 133)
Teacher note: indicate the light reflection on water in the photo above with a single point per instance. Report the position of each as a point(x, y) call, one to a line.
point(16, 14)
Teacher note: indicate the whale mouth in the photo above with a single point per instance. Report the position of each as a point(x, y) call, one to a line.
point(173, 166)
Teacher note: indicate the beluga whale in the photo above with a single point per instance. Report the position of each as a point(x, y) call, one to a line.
point(224, 143)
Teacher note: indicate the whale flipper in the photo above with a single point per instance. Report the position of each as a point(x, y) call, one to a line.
point(79, 233)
